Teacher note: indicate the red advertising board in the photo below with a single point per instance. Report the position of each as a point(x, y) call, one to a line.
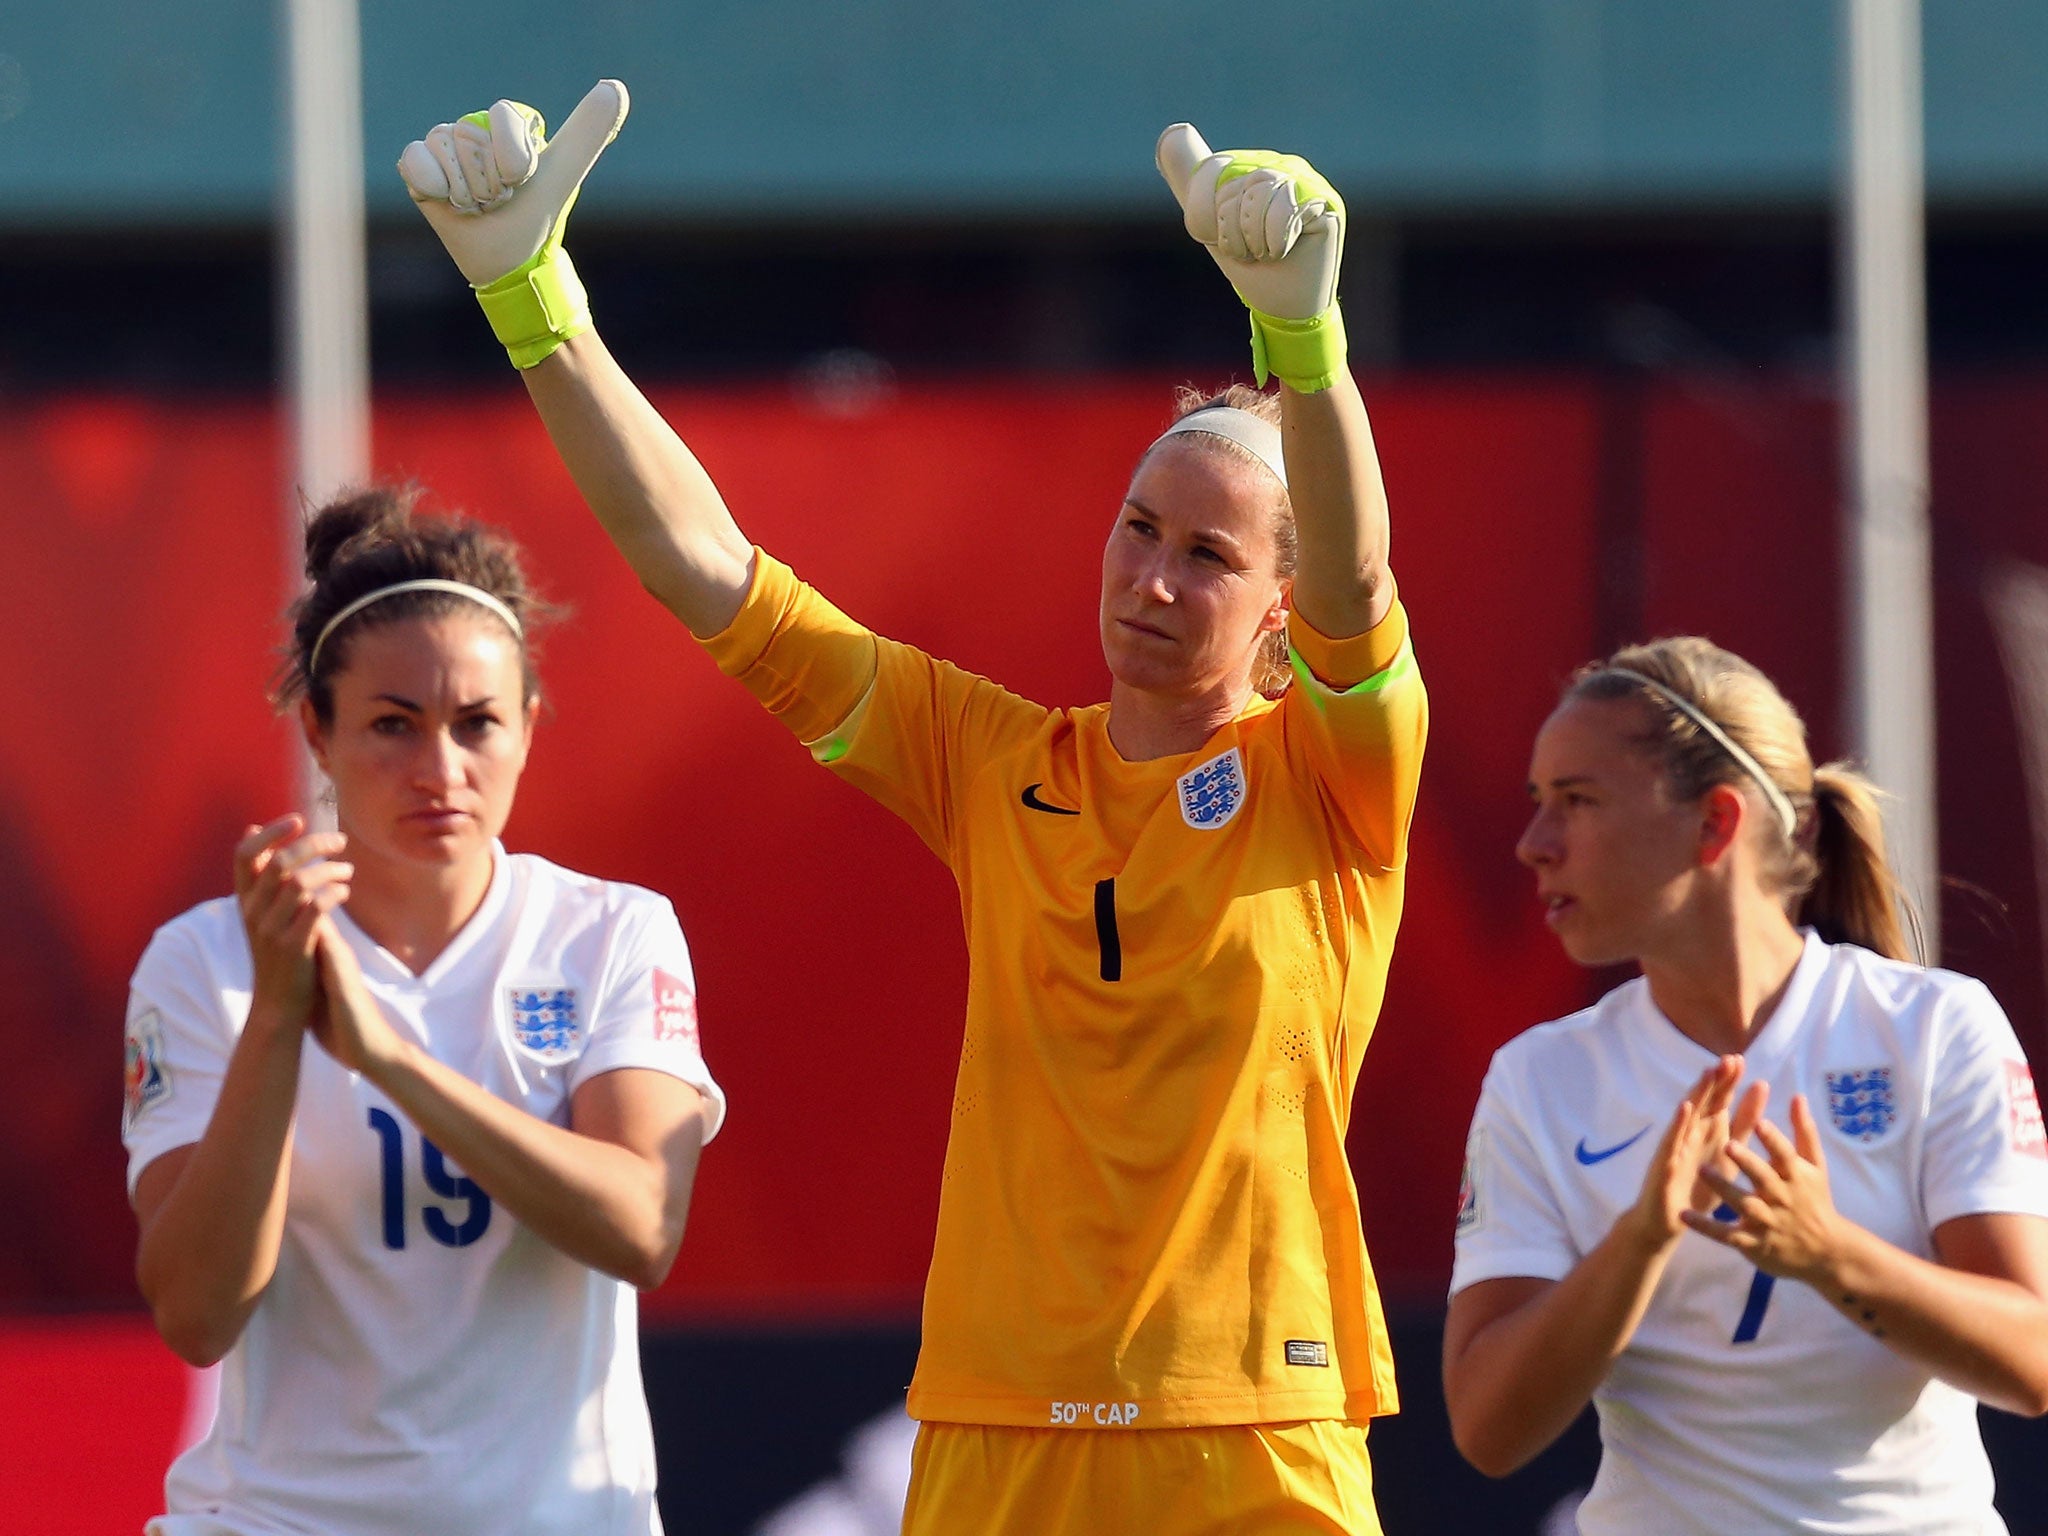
point(1535, 520)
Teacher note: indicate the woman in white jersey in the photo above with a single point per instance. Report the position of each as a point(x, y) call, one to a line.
point(1778, 1208)
point(410, 1117)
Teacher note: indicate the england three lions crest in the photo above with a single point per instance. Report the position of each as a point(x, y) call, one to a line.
point(546, 1022)
point(1213, 793)
point(1861, 1102)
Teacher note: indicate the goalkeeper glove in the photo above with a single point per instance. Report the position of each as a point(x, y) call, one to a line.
point(498, 192)
point(1276, 228)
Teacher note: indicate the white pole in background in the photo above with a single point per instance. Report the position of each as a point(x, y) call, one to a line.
point(325, 316)
point(1882, 234)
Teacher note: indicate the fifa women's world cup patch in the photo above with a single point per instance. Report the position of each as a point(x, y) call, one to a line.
point(1861, 1102)
point(1471, 1210)
point(1468, 1199)
point(1213, 792)
point(2029, 1134)
point(546, 1022)
point(675, 1009)
point(146, 1081)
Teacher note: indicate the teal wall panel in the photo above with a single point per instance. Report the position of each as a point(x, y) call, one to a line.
point(165, 109)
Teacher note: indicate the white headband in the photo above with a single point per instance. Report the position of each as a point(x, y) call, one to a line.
point(1255, 433)
point(423, 584)
point(1780, 801)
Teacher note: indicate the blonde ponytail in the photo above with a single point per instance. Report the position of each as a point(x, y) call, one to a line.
point(1855, 897)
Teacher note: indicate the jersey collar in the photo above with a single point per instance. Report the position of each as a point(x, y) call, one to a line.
point(379, 963)
point(1774, 1041)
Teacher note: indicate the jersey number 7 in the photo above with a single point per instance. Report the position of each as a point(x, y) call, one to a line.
point(1753, 1309)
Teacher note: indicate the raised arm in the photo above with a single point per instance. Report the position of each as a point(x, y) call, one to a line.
point(644, 484)
point(498, 193)
point(1276, 229)
point(1342, 584)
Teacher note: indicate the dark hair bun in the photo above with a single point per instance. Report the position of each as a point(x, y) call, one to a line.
point(358, 515)
point(368, 540)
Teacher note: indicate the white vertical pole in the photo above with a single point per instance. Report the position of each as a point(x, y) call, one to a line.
point(1891, 591)
point(325, 316)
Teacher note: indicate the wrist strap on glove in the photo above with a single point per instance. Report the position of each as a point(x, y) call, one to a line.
point(536, 308)
point(1306, 355)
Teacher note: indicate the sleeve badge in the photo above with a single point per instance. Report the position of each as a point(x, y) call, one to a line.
point(2029, 1135)
point(675, 1009)
point(1469, 1211)
point(146, 1080)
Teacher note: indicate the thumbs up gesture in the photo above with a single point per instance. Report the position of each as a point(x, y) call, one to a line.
point(1276, 228)
point(498, 192)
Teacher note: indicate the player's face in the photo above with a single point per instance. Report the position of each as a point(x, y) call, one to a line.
point(1189, 577)
point(1613, 850)
point(429, 736)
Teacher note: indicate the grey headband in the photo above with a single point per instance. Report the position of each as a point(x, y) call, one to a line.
point(1780, 801)
point(1255, 433)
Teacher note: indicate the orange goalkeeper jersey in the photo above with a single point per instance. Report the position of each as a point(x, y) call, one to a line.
point(1147, 1217)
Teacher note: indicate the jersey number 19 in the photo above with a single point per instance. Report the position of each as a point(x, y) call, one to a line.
point(450, 1234)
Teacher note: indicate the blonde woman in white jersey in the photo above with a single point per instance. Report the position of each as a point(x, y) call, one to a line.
point(1779, 1207)
point(410, 1117)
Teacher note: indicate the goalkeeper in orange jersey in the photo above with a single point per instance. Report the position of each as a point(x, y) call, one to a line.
point(1149, 1303)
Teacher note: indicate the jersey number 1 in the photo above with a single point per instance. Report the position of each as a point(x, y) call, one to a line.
point(1107, 939)
point(449, 1234)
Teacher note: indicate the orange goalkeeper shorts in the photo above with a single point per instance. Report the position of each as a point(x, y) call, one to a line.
point(1217, 1480)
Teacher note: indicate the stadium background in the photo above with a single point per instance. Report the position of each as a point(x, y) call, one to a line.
point(904, 276)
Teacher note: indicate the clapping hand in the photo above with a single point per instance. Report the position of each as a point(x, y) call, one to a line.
point(350, 1027)
point(1785, 1221)
point(286, 882)
point(1679, 1185)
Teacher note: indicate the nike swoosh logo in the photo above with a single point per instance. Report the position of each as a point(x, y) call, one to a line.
point(1032, 802)
point(1590, 1158)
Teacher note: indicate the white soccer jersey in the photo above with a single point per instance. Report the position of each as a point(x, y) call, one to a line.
point(1744, 1404)
point(420, 1361)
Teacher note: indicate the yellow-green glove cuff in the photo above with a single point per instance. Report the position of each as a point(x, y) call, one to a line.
point(1305, 354)
point(537, 308)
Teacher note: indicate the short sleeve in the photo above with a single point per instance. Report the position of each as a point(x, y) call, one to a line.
point(177, 1041)
point(1509, 1222)
point(647, 1011)
point(1985, 1150)
point(922, 735)
point(808, 663)
point(899, 725)
point(1359, 716)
